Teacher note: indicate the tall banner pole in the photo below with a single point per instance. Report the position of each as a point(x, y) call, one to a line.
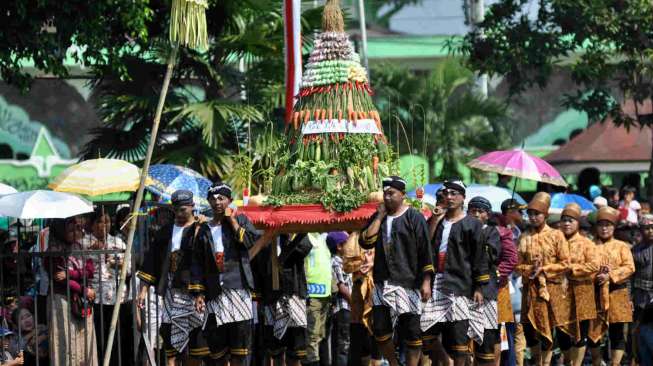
point(293, 52)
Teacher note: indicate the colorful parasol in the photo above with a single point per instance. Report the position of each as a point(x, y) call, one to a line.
point(98, 176)
point(167, 178)
point(517, 163)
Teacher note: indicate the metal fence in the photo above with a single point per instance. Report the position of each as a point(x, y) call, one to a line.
point(59, 328)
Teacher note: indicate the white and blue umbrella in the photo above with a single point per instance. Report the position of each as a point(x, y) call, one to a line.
point(560, 200)
point(496, 195)
point(168, 178)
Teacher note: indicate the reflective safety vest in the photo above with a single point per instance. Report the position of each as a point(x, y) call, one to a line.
point(318, 266)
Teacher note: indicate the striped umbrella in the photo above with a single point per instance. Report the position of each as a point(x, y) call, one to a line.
point(98, 176)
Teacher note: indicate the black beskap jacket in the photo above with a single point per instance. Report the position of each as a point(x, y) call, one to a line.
point(205, 276)
point(157, 262)
point(407, 256)
point(492, 247)
point(466, 262)
point(292, 279)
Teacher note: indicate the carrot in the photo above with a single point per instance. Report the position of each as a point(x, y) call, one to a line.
point(316, 114)
point(295, 120)
point(361, 115)
point(375, 164)
point(330, 114)
point(324, 112)
point(340, 115)
point(307, 116)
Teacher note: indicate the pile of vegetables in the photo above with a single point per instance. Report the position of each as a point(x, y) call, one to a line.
point(338, 169)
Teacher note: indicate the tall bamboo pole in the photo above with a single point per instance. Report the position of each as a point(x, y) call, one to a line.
point(138, 201)
point(187, 28)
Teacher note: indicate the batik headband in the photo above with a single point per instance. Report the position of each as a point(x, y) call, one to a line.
point(220, 189)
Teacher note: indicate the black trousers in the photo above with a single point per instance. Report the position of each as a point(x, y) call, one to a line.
point(340, 338)
point(533, 338)
point(617, 335)
point(565, 341)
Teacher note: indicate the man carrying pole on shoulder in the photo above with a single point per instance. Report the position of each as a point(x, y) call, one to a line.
point(403, 269)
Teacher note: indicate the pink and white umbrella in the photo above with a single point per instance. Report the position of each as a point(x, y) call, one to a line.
point(517, 163)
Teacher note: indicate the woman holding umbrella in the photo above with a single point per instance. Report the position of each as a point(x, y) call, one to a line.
point(584, 264)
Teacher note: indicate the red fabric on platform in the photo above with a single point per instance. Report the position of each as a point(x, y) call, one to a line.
point(304, 214)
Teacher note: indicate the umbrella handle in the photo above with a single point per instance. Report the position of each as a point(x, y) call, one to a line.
point(514, 188)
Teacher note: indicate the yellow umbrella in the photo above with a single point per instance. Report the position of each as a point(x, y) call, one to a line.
point(98, 176)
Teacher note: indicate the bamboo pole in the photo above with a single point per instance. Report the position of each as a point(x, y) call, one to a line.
point(137, 203)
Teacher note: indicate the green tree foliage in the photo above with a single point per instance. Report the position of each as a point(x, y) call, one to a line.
point(205, 120)
point(41, 31)
point(606, 44)
point(124, 44)
point(442, 117)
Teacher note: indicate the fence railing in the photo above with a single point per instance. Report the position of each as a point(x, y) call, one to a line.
point(77, 323)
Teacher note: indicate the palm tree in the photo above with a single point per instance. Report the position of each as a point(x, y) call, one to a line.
point(439, 115)
point(206, 121)
point(196, 131)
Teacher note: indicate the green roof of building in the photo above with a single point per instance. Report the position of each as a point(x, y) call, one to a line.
point(406, 46)
point(558, 129)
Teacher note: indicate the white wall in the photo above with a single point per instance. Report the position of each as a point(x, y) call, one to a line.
point(438, 17)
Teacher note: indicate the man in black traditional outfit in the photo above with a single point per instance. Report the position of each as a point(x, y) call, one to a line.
point(403, 269)
point(502, 258)
point(461, 273)
point(222, 278)
point(284, 308)
point(167, 266)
